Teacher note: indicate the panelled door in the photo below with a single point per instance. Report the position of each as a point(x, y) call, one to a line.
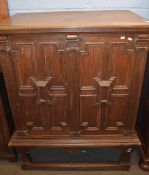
point(41, 74)
point(106, 71)
point(72, 84)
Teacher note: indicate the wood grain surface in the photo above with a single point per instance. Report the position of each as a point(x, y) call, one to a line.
point(74, 20)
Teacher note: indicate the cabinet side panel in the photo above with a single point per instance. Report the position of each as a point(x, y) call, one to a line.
point(12, 90)
point(141, 57)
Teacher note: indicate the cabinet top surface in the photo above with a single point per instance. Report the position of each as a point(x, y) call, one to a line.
point(74, 19)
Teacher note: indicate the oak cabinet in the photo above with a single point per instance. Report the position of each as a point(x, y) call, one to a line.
point(74, 85)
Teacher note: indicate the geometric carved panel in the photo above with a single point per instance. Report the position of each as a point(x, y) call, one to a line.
point(41, 86)
point(104, 95)
point(75, 83)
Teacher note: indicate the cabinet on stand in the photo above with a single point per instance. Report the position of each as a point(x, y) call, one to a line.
point(74, 81)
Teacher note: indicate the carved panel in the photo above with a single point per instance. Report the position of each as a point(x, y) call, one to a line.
point(142, 42)
point(105, 80)
point(24, 59)
point(90, 66)
point(121, 65)
point(74, 43)
point(41, 80)
point(4, 44)
point(74, 83)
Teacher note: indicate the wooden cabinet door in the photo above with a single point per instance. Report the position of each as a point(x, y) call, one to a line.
point(70, 84)
point(106, 72)
point(39, 69)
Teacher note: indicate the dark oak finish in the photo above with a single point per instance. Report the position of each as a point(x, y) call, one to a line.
point(74, 79)
point(5, 115)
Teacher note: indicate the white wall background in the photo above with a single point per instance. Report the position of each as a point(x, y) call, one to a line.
point(140, 7)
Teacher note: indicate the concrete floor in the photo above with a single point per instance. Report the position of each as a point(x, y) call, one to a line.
point(8, 168)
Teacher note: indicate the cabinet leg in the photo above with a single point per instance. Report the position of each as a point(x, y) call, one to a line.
point(144, 165)
point(125, 157)
point(26, 160)
point(144, 162)
point(12, 156)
